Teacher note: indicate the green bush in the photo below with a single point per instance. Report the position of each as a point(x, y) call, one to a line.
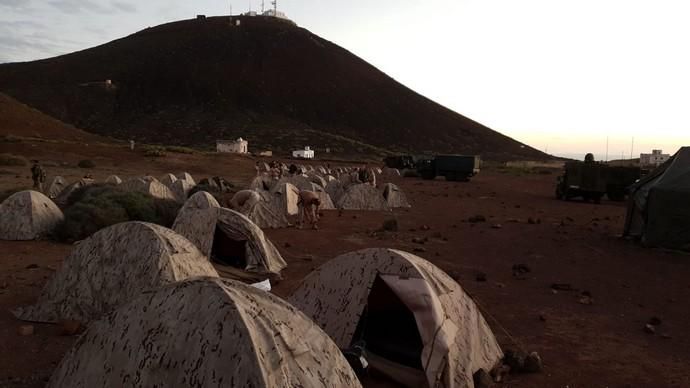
point(95, 207)
point(179, 150)
point(155, 152)
point(12, 160)
point(87, 163)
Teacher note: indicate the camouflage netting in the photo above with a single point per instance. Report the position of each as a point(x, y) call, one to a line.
point(205, 332)
point(63, 198)
point(456, 339)
point(394, 196)
point(113, 180)
point(113, 267)
point(201, 214)
point(149, 185)
point(362, 197)
point(28, 215)
point(57, 184)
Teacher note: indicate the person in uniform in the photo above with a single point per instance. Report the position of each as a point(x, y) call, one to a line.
point(308, 205)
point(38, 175)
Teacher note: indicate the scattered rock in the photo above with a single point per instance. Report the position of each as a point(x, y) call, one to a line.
point(666, 336)
point(437, 254)
point(26, 330)
point(425, 227)
point(515, 359)
point(481, 277)
point(476, 219)
point(287, 245)
point(569, 219)
point(513, 220)
point(649, 329)
point(521, 269)
point(454, 226)
point(499, 372)
point(419, 250)
point(308, 258)
point(654, 321)
point(32, 266)
point(496, 226)
point(533, 221)
point(500, 285)
point(418, 240)
point(542, 317)
point(354, 217)
point(562, 287)
point(533, 363)
point(586, 298)
point(70, 327)
point(482, 379)
point(390, 225)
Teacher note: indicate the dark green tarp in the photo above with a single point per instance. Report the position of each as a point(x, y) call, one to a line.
point(659, 205)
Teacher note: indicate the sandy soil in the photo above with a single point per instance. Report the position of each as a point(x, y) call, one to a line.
point(601, 344)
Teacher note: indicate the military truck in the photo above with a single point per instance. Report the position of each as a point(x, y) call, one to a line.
point(400, 162)
point(592, 180)
point(452, 167)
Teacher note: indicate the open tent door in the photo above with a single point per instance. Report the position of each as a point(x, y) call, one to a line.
point(228, 251)
point(392, 340)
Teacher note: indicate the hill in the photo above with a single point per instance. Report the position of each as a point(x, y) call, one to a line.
point(19, 120)
point(280, 86)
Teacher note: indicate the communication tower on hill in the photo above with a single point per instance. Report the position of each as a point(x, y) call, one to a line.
point(275, 7)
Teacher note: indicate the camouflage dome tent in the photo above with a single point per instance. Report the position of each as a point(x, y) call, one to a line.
point(230, 238)
point(362, 197)
point(205, 332)
point(113, 180)
point(394, 196)
point(418, 325)
point(259, 207)
point(63, 197)
point(57, 184)
point(114, 266)
point(149, 185)
point(658, 206)
point(28, 215)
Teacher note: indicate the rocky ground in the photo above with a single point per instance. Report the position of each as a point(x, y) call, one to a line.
point(550, 276)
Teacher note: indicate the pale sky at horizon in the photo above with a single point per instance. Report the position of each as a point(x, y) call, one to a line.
point(555, 74)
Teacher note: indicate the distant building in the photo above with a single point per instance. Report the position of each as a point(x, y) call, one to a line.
point(250, 13)
point(306, 153)
point(267, 153)
point(278, 14)
point(239, 146)
point(656, 158)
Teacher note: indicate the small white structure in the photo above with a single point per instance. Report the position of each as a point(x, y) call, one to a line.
point(656, 158)
point(277, 14)
point(306, 153)
point(239, 146)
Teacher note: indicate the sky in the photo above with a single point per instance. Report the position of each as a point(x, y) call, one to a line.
point(562, 76)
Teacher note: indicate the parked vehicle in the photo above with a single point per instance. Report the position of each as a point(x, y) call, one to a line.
point(452, 167)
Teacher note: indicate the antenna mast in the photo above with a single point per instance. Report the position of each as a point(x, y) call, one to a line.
point(263, 8)
point(275, 7)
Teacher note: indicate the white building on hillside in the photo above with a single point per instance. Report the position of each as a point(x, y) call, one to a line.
point(306, 153)
point(239, 146)
point(656, 158)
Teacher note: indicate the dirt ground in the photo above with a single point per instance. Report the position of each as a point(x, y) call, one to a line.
point(584, 342)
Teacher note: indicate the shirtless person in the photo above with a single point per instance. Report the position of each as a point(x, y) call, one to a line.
point(308, 204)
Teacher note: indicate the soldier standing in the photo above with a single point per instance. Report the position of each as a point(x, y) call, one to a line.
point(38, 175)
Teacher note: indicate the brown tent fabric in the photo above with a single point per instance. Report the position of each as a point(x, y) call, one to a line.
point(658, 206)
point(204, 332)
point(187, 177)
point(454, 339)
point(362, 197)
point(168, 180)
point(114, 266)
point(203, 221)
point(28, 215)
point(57, 184)
point(181, 189)
point(394, 196)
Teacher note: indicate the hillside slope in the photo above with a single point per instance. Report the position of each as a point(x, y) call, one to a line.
point(195, 81)
point(19, 120)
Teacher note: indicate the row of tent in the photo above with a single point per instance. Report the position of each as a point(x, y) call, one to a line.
point(159, 312)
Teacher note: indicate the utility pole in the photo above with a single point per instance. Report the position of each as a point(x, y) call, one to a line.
point(607, 149)
point(632, 145)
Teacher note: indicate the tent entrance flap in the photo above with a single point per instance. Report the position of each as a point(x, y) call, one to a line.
point(389, 329)
point(228, 251)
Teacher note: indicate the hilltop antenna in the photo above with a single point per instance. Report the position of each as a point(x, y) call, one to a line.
point(275, 7)
point(607, 149)
point(263, 7)
point(632, 145)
